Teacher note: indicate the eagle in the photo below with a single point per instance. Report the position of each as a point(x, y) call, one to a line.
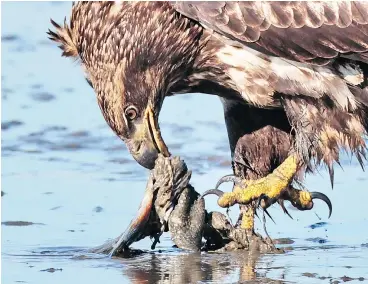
point(292, 78)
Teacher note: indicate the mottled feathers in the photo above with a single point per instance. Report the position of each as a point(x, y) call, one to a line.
point(306, 59)
point(305, 31)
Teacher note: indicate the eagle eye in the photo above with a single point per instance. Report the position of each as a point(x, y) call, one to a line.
point(131, 112)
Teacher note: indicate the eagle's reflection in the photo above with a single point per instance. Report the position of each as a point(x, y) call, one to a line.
point(180, 268)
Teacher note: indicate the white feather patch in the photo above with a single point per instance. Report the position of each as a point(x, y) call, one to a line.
point(352, 74)
point(257, 77)
point(116, 8)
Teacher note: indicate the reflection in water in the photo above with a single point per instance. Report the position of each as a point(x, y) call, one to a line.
point(196, 267)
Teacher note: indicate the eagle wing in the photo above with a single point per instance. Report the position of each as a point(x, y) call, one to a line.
point(304, 31)
point(308, 46)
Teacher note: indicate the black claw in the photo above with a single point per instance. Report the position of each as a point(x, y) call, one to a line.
point(268, 214)
point(323, 197)
point(258, 203)
point(255, 213)
point(228, 215)
point(217, 192)
point(281, 202)
point(236, 180)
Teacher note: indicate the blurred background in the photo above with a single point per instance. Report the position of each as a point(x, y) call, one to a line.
point(68, 183)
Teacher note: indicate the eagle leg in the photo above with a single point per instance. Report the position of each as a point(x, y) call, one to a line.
point(247, 221)
point(271, 186)
point(269, 189)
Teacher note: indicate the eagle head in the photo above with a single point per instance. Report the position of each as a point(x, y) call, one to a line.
point(133, 55)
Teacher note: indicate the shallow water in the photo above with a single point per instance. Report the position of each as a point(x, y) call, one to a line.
point(69, 184)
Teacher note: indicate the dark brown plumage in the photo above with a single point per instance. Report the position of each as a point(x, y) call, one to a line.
point(292, 75)
point(305, 31)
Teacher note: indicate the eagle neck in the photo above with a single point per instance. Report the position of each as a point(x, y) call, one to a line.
point(208, 75)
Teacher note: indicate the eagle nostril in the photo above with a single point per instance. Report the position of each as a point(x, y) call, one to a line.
point(139, 146)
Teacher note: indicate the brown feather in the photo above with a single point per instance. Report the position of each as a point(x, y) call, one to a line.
point(279, 14)
point(64, 36)
point(324, 29)
point(261, 54)
point(330, 12)
point(252, 14)
point(359, 10)
point(321, 130)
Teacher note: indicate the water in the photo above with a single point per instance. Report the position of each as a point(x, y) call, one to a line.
point(67, 175)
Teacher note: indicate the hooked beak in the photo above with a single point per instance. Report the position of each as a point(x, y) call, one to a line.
point(147, 142)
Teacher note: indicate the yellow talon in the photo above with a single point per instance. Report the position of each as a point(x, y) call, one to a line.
point(271, 185)
point(305, 198)
point(272, 188)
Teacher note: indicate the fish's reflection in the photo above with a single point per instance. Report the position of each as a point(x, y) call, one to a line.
point(233, 267)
